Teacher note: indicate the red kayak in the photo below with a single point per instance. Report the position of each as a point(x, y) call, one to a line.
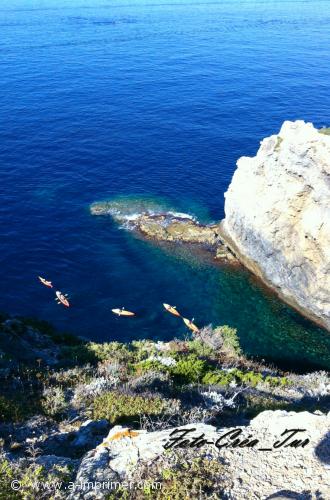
point(62, 299)
point(45, 282)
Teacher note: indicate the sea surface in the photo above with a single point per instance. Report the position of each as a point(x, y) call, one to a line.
point(155, 100)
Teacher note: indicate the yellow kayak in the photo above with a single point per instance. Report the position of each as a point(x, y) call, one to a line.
point(171, 309)
point(190, 325)
point(122, 312)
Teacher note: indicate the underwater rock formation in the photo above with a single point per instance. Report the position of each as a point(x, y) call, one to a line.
point(163, 225)
point(277, 216)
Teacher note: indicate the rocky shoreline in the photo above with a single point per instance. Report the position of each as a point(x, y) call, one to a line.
point(168, 226)
point(276, 219)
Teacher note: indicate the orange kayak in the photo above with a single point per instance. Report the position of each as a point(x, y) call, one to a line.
point(190, 325)
point(62, 299)
point(45, 282)
point(122, 312)
point(172, 310)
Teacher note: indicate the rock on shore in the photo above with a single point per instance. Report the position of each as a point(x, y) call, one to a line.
point(249, 472)
point(160, 225)
point(277, 216)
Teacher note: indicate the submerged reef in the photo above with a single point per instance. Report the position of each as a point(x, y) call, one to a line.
point(159, 225)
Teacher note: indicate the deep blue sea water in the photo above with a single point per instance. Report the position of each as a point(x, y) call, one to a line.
point(107, 98)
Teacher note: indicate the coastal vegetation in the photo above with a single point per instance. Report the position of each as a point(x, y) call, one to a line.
point(181, 477)
point(117, 407)
point(60, 374)
point(62, 384)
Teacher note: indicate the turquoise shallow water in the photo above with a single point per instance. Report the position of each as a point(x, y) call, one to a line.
point(101, 99)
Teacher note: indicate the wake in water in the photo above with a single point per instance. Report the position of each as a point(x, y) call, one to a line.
point(127, 211)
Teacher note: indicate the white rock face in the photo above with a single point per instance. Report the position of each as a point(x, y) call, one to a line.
point(278, 216)
point(254, 472)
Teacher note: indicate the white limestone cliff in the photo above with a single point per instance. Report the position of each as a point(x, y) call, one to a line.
point(277, 216)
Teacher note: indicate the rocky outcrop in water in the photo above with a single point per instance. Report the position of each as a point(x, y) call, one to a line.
point(277, 216)
point(166, 226)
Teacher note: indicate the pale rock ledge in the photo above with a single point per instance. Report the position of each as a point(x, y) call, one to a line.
point(250, 472)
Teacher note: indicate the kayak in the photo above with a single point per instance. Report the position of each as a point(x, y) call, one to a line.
point(172, 310)
point(122, 312)
point(45, 282)
point(190, 325)
point(62, 299)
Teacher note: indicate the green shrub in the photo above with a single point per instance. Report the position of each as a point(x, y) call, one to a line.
point(199, 348)
point(8, 473)
point(147, 366)
point(91, 352)
point(189, 369)
point(119, 408)
point(53, 402)
point(70, 377)
point(284, 381)
point(143, 349)
point(249, 378)
point(219, 377)
point(277, 381)
point(230, 340)
point(179, 478)
point(29, 476)
point(191, 479)
point(111, 350)
point(224, 377)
